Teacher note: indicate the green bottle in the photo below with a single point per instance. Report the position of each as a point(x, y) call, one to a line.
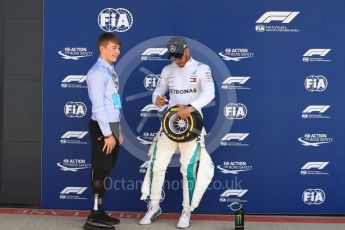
point(239, 219)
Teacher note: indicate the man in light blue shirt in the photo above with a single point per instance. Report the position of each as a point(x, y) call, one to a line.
point(104, 125)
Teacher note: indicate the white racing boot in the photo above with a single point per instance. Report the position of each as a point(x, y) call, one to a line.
point(151, 214)
point(184, 220)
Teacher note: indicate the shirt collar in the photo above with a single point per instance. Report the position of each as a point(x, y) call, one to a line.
point(106, 65)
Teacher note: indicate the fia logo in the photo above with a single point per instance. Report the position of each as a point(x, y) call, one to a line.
point(316, 83)
point(313, 196)
point(151, 81)
point(260, 28)
point(235, 111)
point(119, 20)
point(75, 109)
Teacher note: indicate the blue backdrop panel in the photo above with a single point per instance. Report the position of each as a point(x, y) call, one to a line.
point(276, 126)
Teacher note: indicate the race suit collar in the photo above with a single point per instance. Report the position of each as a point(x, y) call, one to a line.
point(189, 62)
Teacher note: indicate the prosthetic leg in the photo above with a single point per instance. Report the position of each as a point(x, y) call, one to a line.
point(98, 218)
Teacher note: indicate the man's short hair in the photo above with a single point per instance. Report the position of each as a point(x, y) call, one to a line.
point(105, 38)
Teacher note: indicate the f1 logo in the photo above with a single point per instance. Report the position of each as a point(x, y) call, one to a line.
point(152, 107)
point(239, 80)
point(75, 78)
point(235, 136)
point(75, 134)
point(283, 16)
point(319, 52)
point(234, 192)
point(76, 190)
point(315, 165)
point(316, 108)
point(155, 51)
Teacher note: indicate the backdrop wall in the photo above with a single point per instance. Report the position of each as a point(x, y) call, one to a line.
point(276, 126)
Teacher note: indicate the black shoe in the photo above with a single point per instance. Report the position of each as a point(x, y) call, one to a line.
point(95, 221)
point(108, 218)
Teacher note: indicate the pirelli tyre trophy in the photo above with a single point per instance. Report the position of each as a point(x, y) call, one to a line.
point(182, 130)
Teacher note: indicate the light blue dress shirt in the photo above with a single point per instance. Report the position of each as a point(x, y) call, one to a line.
point(101, 88)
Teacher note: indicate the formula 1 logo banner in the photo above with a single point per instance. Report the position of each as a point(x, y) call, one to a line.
point(284, 17)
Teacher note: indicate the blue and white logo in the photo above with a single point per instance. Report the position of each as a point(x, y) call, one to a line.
point(75, 109)
point(151, 81)
point(280, 19)
point(234, 167)
point(74, 81)
point(314, 168)
point(235, 111)
point(235, 82)
point(75, 53)
point(73, 193)
point(315, 139)
point(118, 20)
point(317, 83)
point(147, 138)
point(73, 165)
point(315, 112)
point(234, 139)
point(152, 110)
point(74, 137)
point(154, 54)
point(316, 55)
point(233, 195)
point(236, 54)
point(313, 196)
